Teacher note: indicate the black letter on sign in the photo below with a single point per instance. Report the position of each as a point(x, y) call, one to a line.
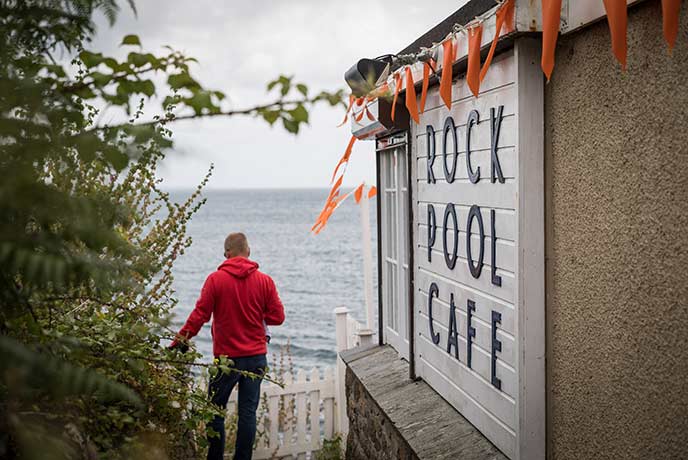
point(496, 279)
point(434, 291)
point(450, 259)
point(473, 117)
point(453, 338)
point(470, 331)
point(495, 124)
point(477, 268)
point(432, 230)
point(496, 346)
point(449, 129)
point(431, 153)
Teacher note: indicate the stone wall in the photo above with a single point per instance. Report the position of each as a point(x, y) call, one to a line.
point(371, 433)
point(394, 418)
point(617, 250)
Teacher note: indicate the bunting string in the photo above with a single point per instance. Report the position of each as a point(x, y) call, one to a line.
point(504, 12)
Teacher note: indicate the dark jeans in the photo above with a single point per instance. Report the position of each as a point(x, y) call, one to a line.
point(220, 388)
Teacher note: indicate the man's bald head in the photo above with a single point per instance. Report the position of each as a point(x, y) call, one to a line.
point(236, 245)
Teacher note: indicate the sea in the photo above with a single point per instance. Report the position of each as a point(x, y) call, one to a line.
point(314, 274)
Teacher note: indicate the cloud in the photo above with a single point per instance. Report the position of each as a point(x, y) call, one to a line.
point(241, 46)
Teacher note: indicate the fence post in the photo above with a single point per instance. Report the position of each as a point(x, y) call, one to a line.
point(365, 337)
point(341, 326)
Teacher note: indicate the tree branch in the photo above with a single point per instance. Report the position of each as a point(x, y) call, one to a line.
point(249, 111)
point(249, 374)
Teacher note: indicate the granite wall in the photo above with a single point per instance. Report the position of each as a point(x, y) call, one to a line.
point(371, 434)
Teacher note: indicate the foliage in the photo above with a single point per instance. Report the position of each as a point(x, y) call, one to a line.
point(88, 238)
point(331, 449)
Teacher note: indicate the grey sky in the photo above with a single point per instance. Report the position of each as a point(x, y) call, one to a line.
point(242, 45)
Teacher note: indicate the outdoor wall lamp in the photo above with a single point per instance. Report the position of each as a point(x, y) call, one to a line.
point(367, 74)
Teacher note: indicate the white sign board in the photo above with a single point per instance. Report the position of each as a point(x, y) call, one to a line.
point(479, 301)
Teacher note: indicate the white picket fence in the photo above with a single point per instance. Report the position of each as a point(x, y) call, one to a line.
point(294, 420)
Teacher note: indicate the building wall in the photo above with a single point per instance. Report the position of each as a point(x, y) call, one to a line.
point(617, 247)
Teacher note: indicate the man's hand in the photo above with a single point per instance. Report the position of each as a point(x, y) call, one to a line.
point(179, 346)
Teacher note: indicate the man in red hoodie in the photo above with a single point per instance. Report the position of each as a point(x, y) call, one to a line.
point(241, 300)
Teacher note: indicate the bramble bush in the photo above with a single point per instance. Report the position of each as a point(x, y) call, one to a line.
point(88, 238)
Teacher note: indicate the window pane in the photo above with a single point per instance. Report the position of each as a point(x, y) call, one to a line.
point(390, 224)
point(403, 167)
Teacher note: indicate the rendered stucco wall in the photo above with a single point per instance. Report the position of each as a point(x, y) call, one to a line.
point(617, 244)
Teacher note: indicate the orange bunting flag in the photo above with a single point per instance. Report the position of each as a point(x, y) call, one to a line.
point(359, 117)
point(346, 114)
point(551, 16)
point(670, 14)
point(617, 16)
point(358, 193)
point(502, 12)
point(475, 36)
point(330, 207)
point(426, 83)
point(446, 80)
point(411, 103)
point(397, 88)
point(345, 157)
point(510, 15)
point(372, 192)
point(333, 200)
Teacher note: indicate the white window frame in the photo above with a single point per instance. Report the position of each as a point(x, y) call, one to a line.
point(394, 225)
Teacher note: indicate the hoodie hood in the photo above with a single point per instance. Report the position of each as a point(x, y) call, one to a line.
point(239, 267)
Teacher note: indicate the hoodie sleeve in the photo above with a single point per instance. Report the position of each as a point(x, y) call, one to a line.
point(201, 314)
point(274, 310)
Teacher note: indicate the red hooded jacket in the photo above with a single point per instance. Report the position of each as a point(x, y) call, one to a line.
point(240, 298)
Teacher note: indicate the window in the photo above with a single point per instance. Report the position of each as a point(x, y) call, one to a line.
point(394, 223)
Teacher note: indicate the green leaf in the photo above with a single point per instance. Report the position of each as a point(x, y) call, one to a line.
point(199, 101)
point(270, 116)
point(141, 87)
point(85, 92)
point(131, 40)
point(182, 80)
point(117, 159)
point(286, 84)
point(290, 125)
point(147, 88)
point(170, 100)
point(90, 59)
point(299, 114)
point(141, 133)
point(56, 69)
point(303, 89)
point(100, 78)
point(114, 65)
point(138, 59)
